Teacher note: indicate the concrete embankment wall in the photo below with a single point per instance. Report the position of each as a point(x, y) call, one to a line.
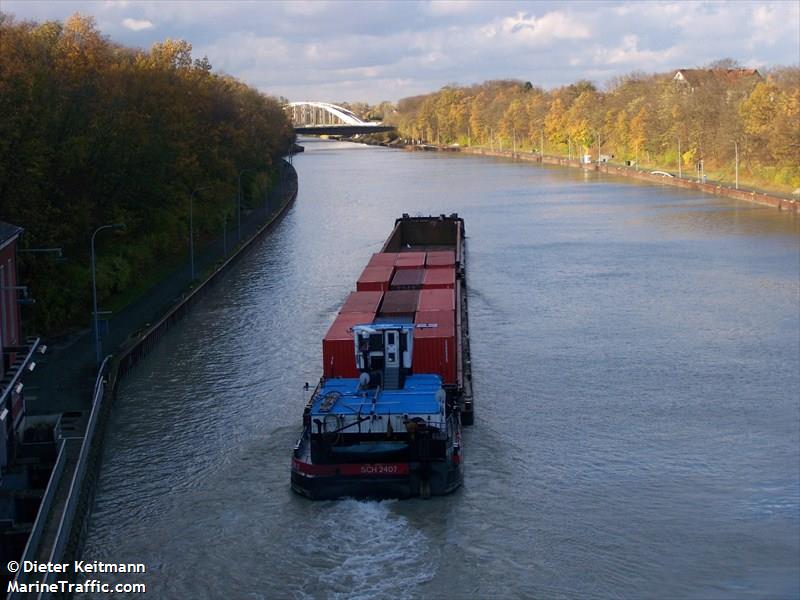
point(783, 204)
point(137, 348)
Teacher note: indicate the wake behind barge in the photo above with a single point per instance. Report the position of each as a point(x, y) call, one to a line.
point(385, 419)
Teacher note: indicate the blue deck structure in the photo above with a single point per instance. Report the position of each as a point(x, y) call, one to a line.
point(421, 395)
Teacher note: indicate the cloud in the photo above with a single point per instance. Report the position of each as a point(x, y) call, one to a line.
point(136, 24)
point(546, 29)
point(323, 50)
point(306, 8)
point(448, 7)
point(770, 23)
point(629, 54)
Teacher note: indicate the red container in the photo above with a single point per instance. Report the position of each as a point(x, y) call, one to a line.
point(375, 279)
point(437, 300)
point(410, 260)
point(437, 318)
point(435, 347)
point(361, 302)
point(439, 278)
point(399, 303)
point(338, 349)
point(441, 258)
point(382, 259)
point(407, 279)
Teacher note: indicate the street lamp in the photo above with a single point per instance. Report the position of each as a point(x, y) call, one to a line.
point(97, 345)
point(191, 227)
point(597, 133)
point(239, 202)
point(541, 147)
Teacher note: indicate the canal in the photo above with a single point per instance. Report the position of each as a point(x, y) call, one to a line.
point(636, 368)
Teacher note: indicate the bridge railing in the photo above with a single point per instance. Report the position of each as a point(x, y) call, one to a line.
point(322, 113)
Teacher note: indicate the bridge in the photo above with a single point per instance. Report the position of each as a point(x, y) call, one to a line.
point(323, 118)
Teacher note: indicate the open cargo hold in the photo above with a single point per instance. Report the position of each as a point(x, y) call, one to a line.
point(407, 279)
point(435, 348)
point(360, 302)
point(439, 278)
point(410, 260)
point(398, 303)
point(375, 279)
point(440, 258)
point(338, 356)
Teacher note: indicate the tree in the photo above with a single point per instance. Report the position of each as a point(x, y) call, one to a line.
point(93, 132)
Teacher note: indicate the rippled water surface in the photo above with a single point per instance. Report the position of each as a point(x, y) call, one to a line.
point(636, 369)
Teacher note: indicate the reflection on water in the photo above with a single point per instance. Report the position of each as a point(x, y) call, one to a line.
point(636, 371)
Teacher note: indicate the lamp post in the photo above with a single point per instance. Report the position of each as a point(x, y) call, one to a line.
point(597, 133)
point(736, 149)
point(97, 344)
point(679, 158)
point(514, 142)
point(541, 147)
point(239, 203)
point(191, 227)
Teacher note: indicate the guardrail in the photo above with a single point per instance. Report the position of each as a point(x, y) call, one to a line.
point(65, 524)
point(32, 547)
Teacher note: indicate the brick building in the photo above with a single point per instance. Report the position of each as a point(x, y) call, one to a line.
point(15, 350)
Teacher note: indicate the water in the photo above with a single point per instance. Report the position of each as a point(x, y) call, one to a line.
point(636, 369)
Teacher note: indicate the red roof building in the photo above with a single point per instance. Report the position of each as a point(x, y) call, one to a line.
point(727, 78)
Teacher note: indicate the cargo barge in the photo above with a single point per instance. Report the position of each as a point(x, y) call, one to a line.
point(385, 419)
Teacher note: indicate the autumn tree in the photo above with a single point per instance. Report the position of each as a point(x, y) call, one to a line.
point(93, 132)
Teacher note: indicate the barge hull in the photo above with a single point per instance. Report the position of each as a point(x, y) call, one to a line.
point(385, 419)
point(443, 480)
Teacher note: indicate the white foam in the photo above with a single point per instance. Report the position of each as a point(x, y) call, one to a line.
point(364, 550)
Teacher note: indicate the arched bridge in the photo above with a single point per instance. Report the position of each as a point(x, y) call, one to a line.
point(323, 118)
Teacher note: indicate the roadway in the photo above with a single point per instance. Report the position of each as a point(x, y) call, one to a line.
point(341, 129)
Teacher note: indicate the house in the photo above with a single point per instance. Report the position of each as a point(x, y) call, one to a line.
point(726, 78)
point(16, 352)
point(26, 461)
point(9, 310)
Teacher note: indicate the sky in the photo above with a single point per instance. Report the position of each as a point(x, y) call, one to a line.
point(318, 50)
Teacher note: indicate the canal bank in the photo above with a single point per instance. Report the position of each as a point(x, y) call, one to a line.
point(758, 197)
point(783, 204)
point(62, 520)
